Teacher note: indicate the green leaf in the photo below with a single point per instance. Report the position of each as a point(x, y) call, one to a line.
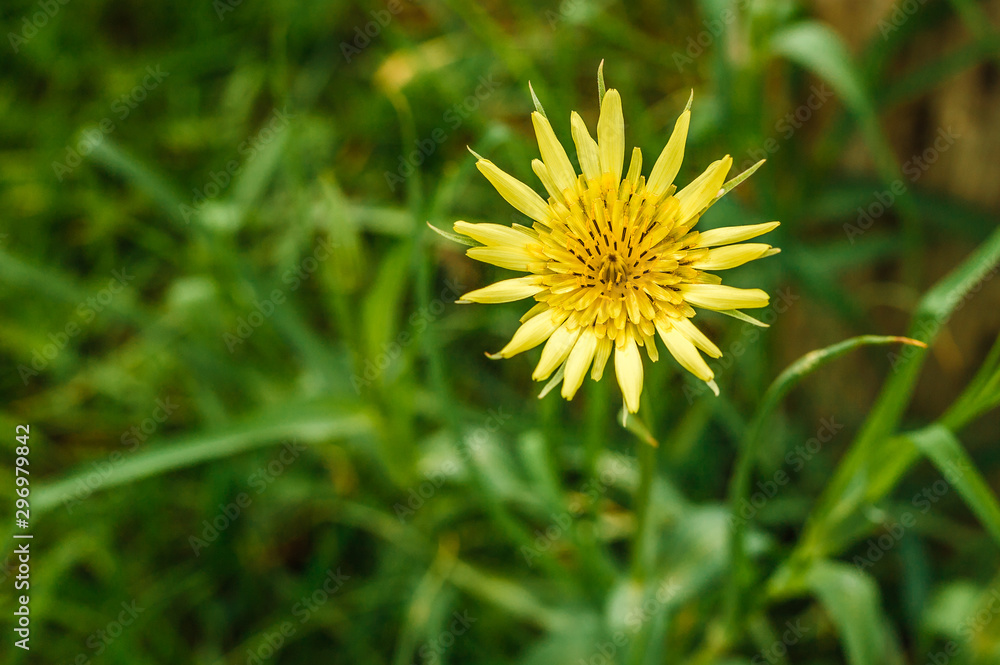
point(739, 488)
point(946, 452)
point(455, 237)
point(601, 89)
point(538, 104)
point(870, 456)
point(309, 422)
point(382, 309)
point(818, 48)
point(556, 379)
point(853, 602)
point(634, 424)
point(107, 153)
point(737, 314)
point(250, 184)
point(729, 186)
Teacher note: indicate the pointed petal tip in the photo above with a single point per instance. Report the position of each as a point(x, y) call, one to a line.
point(714, 386)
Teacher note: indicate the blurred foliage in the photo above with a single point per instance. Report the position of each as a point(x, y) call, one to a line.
point(259, 420)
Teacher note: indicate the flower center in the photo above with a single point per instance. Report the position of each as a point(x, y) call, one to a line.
point(610, 269)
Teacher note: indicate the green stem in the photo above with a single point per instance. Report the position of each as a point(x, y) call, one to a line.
point(647, 468)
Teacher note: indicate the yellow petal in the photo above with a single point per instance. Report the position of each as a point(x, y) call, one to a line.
point(504, 256)
point(553, 153)
point(586, 148)
point(628, 369)
point(635, 167)
point(719, 296)
point(695, 197)
point(508, 290)
point(694, 333)
point(556, 349)
point(669, 162)
point(535, 310)
point(731, 234)
point(542, 171)
point(579, 362)
point(533, 332)
point(601, 356)
point(515, 192)
point(684, 351)
point(611, 135)
point(731, 256)
point(494, 234)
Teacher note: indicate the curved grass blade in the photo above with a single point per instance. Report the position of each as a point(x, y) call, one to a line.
point(739, 488)
point(933, 312)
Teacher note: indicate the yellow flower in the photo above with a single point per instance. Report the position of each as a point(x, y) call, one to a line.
point(613, 262)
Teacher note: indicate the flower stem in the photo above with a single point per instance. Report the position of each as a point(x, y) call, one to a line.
point(647, 468)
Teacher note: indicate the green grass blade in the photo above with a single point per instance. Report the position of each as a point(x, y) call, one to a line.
point(739, 488)
point(852, 600)
point(934, 310)
point(946, 452)
point(113, 158)
point(310, 422)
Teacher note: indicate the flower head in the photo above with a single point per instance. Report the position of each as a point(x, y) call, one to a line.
point(613, 262)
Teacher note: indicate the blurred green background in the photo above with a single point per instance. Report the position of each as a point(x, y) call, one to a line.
point(262, 431)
